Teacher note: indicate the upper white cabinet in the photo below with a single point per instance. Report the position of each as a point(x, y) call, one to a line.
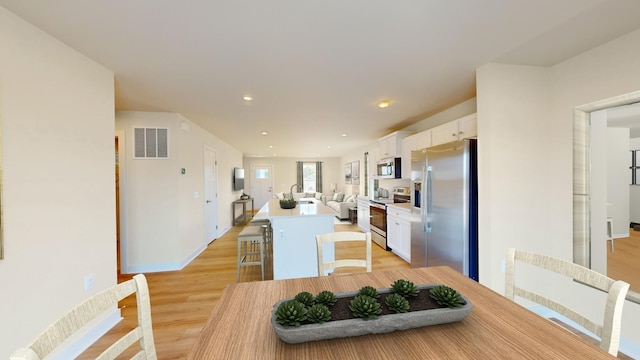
point(391, 145)
point(462, 128)
point(411, 143)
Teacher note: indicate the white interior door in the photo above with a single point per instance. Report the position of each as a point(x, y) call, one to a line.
point(261, 184)
point(210, 195)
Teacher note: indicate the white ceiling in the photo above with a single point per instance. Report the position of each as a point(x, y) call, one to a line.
point(316, 68)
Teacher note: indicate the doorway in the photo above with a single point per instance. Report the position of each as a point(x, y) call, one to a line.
point(587, 223)
point(261, 184)
point(120, 193)
point(210, 195)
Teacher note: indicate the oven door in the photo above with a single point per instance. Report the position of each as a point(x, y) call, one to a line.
point(378, 222)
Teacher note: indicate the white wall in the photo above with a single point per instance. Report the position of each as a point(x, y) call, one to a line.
point(58, 180)
point(525, 123)
point(165, 221)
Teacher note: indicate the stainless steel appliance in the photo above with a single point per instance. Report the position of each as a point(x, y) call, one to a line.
point(389, 168)
point(378, 223)
point(444, 216)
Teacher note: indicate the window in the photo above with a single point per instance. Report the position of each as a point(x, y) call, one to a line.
point(262, 173)
point(309, 177)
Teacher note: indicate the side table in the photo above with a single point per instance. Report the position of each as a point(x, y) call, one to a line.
point(244, 217)
point(353, 215)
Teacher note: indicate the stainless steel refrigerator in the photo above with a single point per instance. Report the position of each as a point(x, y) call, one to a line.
point(444, 211)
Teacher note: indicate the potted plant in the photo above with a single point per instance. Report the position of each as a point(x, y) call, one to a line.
point(367, 311)
point(289, 203)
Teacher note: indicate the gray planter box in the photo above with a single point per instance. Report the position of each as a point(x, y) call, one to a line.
point(357, 327)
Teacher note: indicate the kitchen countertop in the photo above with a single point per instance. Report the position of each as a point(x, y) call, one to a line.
point(272, 209)
point(405, 205)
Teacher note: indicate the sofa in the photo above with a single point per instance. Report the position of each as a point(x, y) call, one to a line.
point(340, 203)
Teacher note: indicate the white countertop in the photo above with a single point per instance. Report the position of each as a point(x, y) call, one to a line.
point(405, 205)
point(272, 209)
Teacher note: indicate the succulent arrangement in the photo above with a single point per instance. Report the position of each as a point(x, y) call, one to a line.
point(365, 307)
point(287, 203)
point(405, 288)
point(446, 296)
point(397, 303)
point(307, 308)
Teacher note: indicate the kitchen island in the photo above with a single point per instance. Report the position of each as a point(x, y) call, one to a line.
point(294, 236)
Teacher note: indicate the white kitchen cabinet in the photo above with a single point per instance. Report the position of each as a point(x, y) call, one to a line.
point(459, 129)
point(373, 162)
point(422, 140)
point(364, 214)
point(411, 143)
point(407, 147)
point(468, 126)
point(391, 145)
point(399, 231)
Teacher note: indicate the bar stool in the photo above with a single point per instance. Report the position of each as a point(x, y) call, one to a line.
point(268, 234)
point(251, 246)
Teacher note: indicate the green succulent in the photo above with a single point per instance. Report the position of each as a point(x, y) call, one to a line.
point(306, 298)
point(319, 313)
point(397, 303)
point(405, 288)
point(326, 298)
point(369, 291)
point(365, 307)
point(446, 296)
point(291, 313)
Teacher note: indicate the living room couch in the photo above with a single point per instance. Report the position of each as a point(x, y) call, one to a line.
point(340, 203)
point(337, 202)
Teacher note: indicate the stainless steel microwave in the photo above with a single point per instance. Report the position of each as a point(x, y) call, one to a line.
point(389, 168)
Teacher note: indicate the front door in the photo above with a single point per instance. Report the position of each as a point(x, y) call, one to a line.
point(261, 184)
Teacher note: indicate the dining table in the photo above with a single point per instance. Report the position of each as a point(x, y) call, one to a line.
point(240, 325)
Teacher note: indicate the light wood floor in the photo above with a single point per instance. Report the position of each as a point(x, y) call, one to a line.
point(624, 262)
point(182, 301)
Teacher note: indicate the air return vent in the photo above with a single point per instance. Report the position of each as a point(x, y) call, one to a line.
point(151, 143)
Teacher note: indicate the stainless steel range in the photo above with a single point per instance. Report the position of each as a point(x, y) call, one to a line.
point(378, 213)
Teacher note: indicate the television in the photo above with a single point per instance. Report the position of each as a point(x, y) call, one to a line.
point(238, 179)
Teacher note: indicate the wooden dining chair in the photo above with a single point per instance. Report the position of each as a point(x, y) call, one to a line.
point(48, 341)
point(343, 236)
point(609, 330)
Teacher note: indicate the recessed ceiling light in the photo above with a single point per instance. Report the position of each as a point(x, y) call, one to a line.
point(328, 147)
point(384, 104)
point(270, 146)
point(247, 98)
point(343, 134)
point(264, 133)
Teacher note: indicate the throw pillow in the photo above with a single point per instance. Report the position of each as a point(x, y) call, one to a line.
point(340, 197)
point(318, 196)
point(336, 196)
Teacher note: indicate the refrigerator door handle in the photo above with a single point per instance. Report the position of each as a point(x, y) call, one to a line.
point(428, 202)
